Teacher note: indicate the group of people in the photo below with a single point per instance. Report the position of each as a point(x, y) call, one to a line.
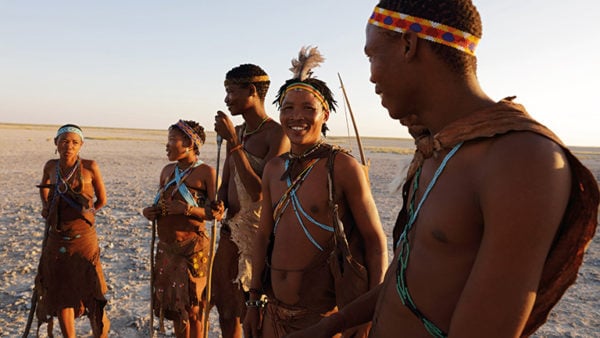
point(495, 218)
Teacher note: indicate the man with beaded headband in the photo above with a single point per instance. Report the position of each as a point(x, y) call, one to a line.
point(181, 207)
point(296, 220)
point(70, 282)
point(497, 212)
point(249, 147)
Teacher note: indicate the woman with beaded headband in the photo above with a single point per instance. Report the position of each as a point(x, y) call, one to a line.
point(249, 146)
point(70, 282)
point(184, 202)
point(296, 218)
point(496, 211)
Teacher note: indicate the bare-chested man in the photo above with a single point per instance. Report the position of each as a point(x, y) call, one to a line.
point(296, 215)
point(249, 147)
point(497, 211)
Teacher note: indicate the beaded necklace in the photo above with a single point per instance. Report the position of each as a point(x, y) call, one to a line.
point(404, 250)
point(65, 180)
point(246, 134)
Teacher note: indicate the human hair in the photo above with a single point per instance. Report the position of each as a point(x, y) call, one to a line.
point(459, 14)
point(68, 128)
point(242, 73)
point(197, 128)
point(318, 85)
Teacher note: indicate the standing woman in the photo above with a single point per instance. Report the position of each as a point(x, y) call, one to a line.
point(184, 202)
point(70, 282)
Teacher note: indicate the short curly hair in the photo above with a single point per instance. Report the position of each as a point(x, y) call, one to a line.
point(460, 14)
point(198, 129)
point(246, 71)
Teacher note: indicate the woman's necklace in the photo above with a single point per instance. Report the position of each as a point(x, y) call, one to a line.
point(70, 174)
point(246, 134)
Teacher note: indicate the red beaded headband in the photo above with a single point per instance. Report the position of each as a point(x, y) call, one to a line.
point(425, 29)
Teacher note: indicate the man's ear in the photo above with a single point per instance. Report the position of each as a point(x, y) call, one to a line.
point(326, 113)
point(409, 41)
point(252, 90)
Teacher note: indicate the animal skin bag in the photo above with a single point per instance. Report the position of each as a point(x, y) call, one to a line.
point(350, 276)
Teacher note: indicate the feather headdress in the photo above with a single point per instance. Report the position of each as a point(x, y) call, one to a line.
point(308, 58)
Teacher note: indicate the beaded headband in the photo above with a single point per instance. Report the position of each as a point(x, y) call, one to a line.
point(69, 129)
point(308, 88)
point(253, 79)
point(425, 29)
point(190, 133)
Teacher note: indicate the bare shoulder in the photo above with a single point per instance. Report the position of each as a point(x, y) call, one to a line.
point(525, 152)
point(525, 178)
point(273, 165)
point(168, 169)
point(345, 164)
point(206, 169)
point(89, 164)
point(50, 164)
point(274, 131)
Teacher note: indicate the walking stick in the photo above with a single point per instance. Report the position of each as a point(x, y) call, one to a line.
point(34, 295)
point(213, 243)
point(152, 278)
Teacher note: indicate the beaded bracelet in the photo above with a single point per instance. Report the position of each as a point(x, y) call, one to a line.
point(257, 303)
point(234, 149)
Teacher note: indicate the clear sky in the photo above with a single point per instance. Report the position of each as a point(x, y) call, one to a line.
point(147, 63)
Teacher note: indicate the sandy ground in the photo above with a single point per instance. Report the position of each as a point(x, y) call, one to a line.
point(130, 161)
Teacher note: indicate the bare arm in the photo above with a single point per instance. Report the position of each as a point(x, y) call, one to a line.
point(261, 241)
point(44, 190)
point(223, 192)
point(98, 183)
point(277, 144)
point(250, 179)
point(350, 177)
point(523, 190)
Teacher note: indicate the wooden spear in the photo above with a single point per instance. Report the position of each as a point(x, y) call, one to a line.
point(213, 244)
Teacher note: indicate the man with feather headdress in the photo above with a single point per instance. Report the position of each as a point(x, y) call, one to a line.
point(296, 232)
point(249, 147)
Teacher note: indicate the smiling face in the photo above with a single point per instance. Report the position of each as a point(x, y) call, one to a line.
point(68, 145)
point(302, 116)
point(238, 98)
point(177, 144)
point(389, 71)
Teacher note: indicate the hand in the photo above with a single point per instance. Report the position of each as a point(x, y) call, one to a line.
point(225, 128)
point(216, 209)
point(151, 213)
point(252, 322)
point(45, 212)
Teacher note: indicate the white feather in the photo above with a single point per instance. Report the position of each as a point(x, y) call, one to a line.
point(308, 58)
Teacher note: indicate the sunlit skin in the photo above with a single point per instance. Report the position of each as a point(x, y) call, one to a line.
point(266, 143)
point(489, 220)
point(68, 146)
point(177, 227)
point(302, 117)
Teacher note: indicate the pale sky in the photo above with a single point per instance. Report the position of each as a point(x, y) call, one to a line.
point(147, 63)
